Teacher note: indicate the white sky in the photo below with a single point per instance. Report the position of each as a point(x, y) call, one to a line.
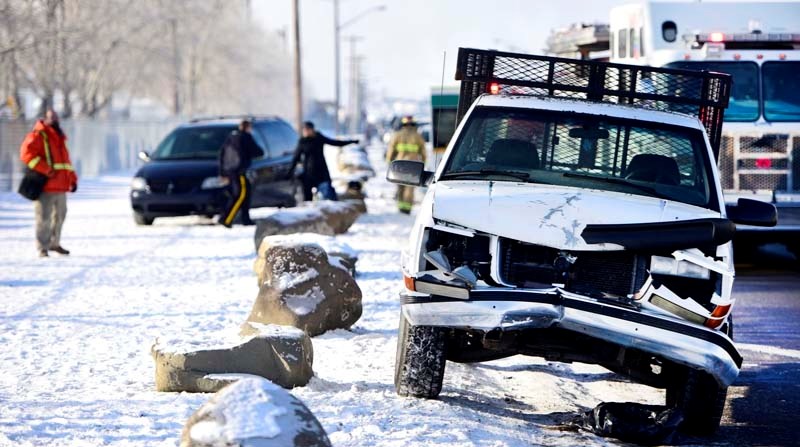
point(404, 44)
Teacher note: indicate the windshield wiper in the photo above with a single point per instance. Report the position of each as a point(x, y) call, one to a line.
point(618, 181)
point(516, 174)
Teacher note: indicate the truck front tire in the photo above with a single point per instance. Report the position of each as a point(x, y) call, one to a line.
point(701, 400)
point(420, 362)
point(700, 397)
point(142, 219)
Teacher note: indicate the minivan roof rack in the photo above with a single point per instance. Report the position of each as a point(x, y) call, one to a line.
point(702, 94)
point(228, 117)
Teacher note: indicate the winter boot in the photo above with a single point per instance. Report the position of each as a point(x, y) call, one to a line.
point(60, 250)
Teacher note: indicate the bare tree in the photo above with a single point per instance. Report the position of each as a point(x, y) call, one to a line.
point(193, 56)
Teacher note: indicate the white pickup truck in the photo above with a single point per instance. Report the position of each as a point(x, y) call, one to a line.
point(577, 215)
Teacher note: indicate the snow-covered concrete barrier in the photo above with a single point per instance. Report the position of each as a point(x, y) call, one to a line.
point(205, 363)
point(292, 221)
point(354, 161)
point(339, 215)
point(302, 287)
point(324, 217)
point(253, 412)
point(337, 250)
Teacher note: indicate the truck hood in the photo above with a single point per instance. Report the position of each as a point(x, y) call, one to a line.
point(548, 215)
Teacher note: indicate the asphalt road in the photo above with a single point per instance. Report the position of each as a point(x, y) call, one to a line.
point(764, 403)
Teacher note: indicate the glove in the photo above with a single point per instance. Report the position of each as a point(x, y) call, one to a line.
point(74, 187)
point(355, 141)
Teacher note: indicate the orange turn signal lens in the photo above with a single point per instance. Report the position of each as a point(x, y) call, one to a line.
point(409, 283)
point(717, 316)
point(721, 311)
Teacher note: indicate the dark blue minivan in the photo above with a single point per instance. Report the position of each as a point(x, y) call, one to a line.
point(181, 177)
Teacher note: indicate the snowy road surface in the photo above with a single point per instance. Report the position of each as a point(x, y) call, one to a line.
point(76, 334)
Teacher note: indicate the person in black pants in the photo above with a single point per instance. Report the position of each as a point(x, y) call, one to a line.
point(237, 153)
point(315, 169)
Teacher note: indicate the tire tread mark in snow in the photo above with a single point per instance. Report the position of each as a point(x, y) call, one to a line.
point(67, 283)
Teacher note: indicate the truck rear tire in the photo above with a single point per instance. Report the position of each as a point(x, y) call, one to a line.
point(420, 361)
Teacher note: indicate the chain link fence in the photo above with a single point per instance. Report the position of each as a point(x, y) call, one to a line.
point(96, 147)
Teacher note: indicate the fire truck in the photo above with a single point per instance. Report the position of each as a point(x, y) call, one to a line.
point(444, 104)
point(758, 44)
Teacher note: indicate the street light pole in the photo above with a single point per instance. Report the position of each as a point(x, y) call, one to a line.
point(337, 28)
point(298, 79)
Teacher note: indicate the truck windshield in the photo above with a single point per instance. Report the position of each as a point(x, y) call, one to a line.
point(192, 143)
point(584, 151)
point(743, 104)
point(781, 91)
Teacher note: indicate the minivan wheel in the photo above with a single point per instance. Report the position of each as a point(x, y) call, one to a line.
point(420, 361)
point(701, 399)
point(142, 219)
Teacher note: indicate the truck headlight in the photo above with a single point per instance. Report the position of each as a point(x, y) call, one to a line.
point(661, 265)
point(214, 183)
point(139, 184)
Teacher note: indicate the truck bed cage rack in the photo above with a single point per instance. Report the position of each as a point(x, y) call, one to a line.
point(702, 94)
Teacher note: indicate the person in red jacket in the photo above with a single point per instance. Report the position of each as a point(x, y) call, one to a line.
point(45, 150)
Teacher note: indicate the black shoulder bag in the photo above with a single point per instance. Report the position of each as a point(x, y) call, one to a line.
point(32, 183)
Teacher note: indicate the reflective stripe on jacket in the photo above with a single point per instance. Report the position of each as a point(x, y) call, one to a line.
point(406, 144)
point(45, 151)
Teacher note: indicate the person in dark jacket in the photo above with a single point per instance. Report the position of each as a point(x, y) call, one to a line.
point(315, 169)
point(237, 153)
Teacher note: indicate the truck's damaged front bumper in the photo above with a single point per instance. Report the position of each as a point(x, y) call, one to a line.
point(509, 309)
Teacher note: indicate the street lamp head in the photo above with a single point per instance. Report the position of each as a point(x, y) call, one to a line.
point(359, 16)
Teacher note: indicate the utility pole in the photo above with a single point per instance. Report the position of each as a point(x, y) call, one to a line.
point(298, 79)
point(337, 75)
point(354, 114)
point(176, 67)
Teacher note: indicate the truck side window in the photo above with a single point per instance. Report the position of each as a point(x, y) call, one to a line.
point(634, 42)
point(622, 42)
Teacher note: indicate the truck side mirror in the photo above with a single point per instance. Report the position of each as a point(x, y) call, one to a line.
point(753, 212)
point(144, 156)
point(407, 172)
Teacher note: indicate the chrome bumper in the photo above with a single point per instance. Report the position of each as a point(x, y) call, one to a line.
point(518, 309)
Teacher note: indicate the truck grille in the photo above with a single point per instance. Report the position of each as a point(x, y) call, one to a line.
point(769, 162)
point(593, 273)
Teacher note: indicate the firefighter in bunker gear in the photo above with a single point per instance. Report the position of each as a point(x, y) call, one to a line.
point(406, 144)
point(44, 150)
point(236, 155)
